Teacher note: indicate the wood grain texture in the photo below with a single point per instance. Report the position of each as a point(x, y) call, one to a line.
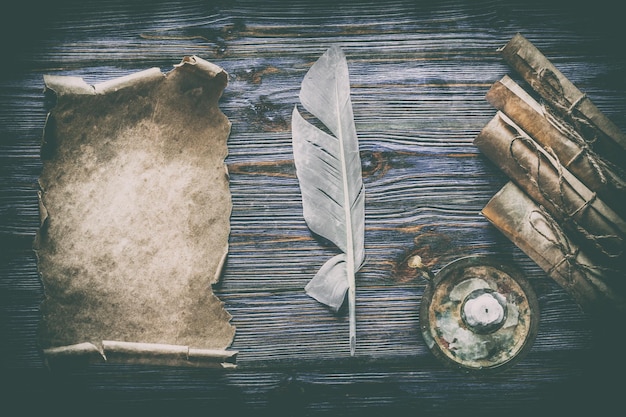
point(419, 73)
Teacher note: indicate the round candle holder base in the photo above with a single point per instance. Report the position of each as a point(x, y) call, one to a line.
point(479, 315)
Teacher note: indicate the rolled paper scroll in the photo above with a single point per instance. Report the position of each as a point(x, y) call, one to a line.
point(538, 235)
point(571, 149)
point(596, 226)
point(564, 97)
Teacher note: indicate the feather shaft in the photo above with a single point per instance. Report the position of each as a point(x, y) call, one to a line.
point(350, 268)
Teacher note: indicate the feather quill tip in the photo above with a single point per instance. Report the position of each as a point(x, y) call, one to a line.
point(352, 345)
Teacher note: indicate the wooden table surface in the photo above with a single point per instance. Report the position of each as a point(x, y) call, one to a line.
point(419, 73)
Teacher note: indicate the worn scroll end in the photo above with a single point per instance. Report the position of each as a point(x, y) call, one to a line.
point(205, 68)
point(66, 85)
point(211, 69)
point(512, 43)
point(138, 78)
point(77, 354)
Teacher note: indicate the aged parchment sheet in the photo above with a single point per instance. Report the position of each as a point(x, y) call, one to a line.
point(135, 218)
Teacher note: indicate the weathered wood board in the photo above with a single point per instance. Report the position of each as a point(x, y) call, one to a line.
point(419, 75)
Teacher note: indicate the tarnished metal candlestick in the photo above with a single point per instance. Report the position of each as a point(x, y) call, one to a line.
point(477, 315)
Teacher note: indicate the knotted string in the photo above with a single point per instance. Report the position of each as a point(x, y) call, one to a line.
point(562, 243)
point(605, 171)
point(557, 206)
point(547, 77)
point(574, 130)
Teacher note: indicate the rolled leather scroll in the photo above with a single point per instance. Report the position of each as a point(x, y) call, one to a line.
point(564, 97)
point(538, 235)
point(598, 174)
point(593, 224)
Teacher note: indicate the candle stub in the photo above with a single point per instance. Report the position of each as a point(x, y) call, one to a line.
point(484, 311)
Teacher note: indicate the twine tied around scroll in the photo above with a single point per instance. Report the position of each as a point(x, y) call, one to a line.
point(560, 241)
point(557, 206)
point(574, 129)
point(600, 165)
point(547, 77)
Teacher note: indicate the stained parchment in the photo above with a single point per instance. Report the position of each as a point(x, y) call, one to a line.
point(135, 218)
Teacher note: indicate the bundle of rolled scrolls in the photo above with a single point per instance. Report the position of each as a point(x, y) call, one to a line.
point(562, 206)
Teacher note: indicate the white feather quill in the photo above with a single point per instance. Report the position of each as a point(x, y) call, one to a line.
point(329, 172)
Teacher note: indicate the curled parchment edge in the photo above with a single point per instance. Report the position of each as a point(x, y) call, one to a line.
point(141, 353)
